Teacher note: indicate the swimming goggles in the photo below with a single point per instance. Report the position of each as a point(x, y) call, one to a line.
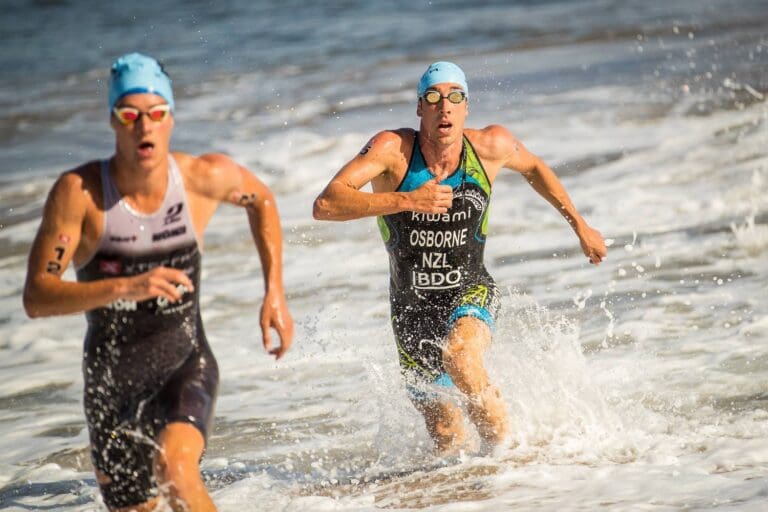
point(434, 97)
point(128, 115)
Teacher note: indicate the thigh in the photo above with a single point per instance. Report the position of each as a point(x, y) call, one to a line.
point(479, 298)
point(190, 395)
point(419, 334)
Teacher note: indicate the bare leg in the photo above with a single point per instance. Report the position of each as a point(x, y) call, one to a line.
point(445, 424)
point(463, 360)
point(177, 467)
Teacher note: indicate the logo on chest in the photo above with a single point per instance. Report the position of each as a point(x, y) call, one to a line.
point(173, 214)
point(169, 233)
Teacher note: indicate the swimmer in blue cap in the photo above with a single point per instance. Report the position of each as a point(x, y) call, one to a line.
point(441, 73)
point(131, 225)
point(431, 195)
point(136, 73)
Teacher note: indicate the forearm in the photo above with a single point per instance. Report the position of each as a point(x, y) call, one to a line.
point(48, 295)
point(342, 202)
point(264, 221)
point(545, 182)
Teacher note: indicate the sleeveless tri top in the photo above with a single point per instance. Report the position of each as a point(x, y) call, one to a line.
point(143, 340)
point(444, 250)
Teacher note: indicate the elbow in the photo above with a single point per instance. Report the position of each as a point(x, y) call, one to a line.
point(321, 209)
point(32, 306)
point(35, 300)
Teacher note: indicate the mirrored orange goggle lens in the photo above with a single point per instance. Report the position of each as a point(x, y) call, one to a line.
point(128, 115)
point(157, 114)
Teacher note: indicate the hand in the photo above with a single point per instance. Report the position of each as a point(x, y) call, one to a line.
point(431, 197)
point(274, 314)
point(165, 282)
point(592, 244)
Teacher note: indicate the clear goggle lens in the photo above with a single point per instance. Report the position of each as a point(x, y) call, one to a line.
point(434, 97)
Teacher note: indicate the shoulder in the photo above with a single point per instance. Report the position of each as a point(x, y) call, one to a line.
point(390, 141)
point(388, 149)
point(212, 176)
point(204, 169)
point(82, 183)
point(492, 142)
point(74, 193)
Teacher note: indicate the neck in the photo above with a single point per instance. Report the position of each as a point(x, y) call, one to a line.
point(441, 159)
point(142, 186)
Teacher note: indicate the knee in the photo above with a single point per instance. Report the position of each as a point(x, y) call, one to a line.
point(181, 448)
point(456, 358)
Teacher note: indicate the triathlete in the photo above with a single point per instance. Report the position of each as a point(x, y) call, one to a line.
point(133, 225)
point(431, 192)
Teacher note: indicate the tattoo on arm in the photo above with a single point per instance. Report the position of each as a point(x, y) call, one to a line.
point(54, 267)
point(248, 200)
point(367, 147)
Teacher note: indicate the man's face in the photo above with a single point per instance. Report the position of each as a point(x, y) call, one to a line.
point(143, 142)
point(443, 121)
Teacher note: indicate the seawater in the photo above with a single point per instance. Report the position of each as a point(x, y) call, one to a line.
point(636, 385)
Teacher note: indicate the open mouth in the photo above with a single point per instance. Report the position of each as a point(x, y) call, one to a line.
point(146, 149)
point(445, 125)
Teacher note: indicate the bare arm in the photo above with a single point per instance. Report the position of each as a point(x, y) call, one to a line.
point(47, 294)
point(378, 162)
point(544, 181)
point(230, 182)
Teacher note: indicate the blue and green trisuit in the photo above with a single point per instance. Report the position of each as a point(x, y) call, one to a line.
point(437, 274)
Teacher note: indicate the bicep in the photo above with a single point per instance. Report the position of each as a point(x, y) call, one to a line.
point(358, 172)
point(376, 157)
point(60, 231)
point(510, 152)
point(227, 181)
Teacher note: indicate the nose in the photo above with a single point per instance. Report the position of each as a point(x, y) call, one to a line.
point(144, 123)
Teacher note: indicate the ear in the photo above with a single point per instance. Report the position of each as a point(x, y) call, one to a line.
point(418, 107)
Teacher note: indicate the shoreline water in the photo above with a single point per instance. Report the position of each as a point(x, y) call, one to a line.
point(639, 384)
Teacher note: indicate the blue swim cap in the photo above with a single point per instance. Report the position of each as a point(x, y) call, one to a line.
point(135, 73)
point(439, 73)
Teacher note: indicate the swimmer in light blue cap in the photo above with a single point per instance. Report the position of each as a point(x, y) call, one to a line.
point(135, 73)
point(442, 72)
point(431, 192)
point(131, 225)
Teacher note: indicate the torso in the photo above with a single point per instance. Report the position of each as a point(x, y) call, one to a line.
point(144, 340)
point(132, 243)
point(438, 252)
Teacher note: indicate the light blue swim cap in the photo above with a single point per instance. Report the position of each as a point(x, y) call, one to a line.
point(135, 73)
point(439, 73)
